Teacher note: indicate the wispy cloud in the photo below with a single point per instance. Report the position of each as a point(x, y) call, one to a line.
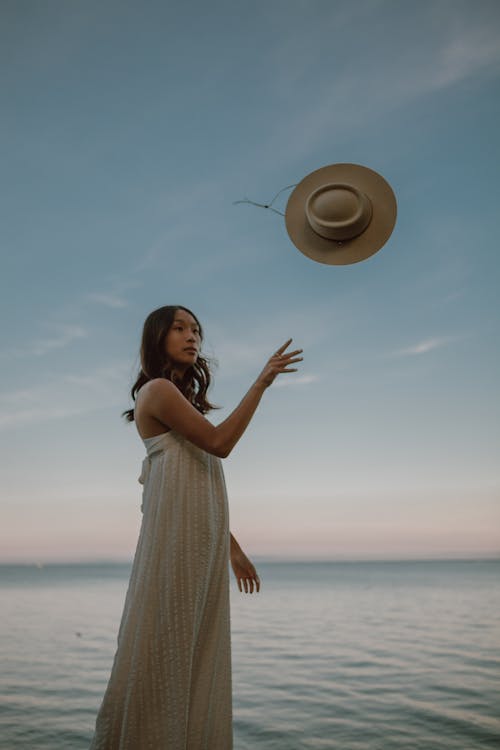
point(66, 395)
point(459, 45)
point(422, 347)
point(64, 336)
point(176, 206)
point(25, 416)
point(295, 380)
point(106, 299)
point(472, 46)
point(101, 379)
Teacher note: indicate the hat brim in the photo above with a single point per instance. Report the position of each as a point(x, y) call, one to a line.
point(354, 250)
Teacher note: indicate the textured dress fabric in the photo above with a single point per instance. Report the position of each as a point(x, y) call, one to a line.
point(170, 684)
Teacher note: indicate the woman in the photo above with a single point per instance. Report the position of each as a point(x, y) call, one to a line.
point(170, 684)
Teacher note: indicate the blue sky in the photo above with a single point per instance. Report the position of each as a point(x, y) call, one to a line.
point(128, 131)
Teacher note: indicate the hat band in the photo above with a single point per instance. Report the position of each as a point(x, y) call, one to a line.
point(338, 211)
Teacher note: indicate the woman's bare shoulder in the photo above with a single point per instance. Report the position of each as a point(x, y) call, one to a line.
point(157, 387)
point(156, 383)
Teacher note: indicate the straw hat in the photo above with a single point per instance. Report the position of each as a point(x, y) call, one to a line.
point(341, 214)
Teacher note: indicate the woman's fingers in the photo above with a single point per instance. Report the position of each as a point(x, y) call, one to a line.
point(288, 356)
point(286, 359)
point(284, 366)
point(280, 362)
point(282, 348)
point(249, 584)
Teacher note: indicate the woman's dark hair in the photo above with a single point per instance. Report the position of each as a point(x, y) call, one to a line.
point(156, 364)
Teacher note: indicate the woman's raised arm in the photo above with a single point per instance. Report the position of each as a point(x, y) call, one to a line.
point(166, 403)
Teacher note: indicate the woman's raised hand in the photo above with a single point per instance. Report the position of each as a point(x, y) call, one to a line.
point(278, 363)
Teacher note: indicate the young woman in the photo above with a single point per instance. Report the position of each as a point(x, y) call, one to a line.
point(170, 684)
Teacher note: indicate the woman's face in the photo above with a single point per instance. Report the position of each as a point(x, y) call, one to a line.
point(183, 340)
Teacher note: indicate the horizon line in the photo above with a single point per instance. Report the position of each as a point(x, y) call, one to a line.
point(493, 557)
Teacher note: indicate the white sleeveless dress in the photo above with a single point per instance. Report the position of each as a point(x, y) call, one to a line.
point(170, 684)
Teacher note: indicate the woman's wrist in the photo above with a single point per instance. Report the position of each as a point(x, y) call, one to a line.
point(234, 544)
point(258, 387)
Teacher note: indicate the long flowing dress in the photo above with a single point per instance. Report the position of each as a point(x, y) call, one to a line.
point(170, 684)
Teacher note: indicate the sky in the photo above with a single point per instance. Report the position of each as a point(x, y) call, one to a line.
point(128, 131)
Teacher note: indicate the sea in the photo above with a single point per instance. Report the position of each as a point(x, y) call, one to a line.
point(397, 655)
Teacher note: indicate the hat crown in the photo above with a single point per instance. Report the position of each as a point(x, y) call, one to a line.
point(338, 211)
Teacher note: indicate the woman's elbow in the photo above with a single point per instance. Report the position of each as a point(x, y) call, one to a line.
point(222, 452)
point(220, 449)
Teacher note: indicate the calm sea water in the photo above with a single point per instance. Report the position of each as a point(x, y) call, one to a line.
point(354, 656)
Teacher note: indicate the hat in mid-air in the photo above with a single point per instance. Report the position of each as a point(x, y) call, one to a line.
point(341, 214)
